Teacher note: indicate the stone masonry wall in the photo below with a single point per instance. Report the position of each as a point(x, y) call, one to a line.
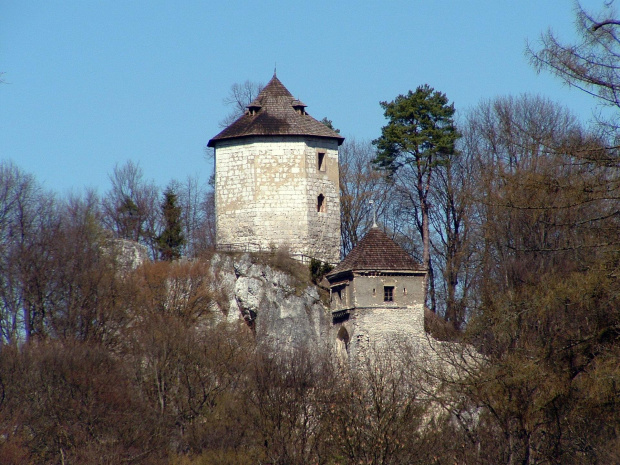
point(368, 290)
point(323, 239)
point(376, 329)
point(377, 325)
point(266, 191)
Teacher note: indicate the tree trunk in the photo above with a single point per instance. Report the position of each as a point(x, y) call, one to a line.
point(423, 189)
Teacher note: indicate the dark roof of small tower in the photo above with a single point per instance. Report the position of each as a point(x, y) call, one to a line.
point(276, 112)
point(376, 251)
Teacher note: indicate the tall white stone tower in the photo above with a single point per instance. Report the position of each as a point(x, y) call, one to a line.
point(276, 179)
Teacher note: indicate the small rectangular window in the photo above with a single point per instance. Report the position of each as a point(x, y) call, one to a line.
point(342, 295)
point(388, 293)
point(320, 160)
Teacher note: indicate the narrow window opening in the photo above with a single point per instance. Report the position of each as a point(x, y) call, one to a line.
point(320, 203)
point(343, 335)
point(374, 292)
point(388, 293)
point(342, 344)
point(340, 295)
point(404, 291)
point(320, 159)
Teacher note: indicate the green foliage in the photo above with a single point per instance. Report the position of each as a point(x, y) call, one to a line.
point(419, 138)
point(130, 206)
point(171, 239)
point(318, 270)
point(128, 215)
point(328, 122)
point(420, 130)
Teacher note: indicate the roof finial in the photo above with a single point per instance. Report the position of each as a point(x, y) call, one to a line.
point(275, 67)
point(374, 213)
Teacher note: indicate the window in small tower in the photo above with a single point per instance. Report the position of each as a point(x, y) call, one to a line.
point(320, 159)
point(320, 203)
point(388, 293)
point(339, 296)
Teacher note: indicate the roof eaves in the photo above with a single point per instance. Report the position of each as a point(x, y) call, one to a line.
point(216, 139)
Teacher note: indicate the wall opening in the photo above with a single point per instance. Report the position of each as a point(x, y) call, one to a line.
point(340, 296)
point(320, 203)
point(343, 335)
point(320, 161)
point(388, 293)
point(342, 344)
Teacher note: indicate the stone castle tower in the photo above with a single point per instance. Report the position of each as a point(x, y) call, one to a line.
point(276, 179)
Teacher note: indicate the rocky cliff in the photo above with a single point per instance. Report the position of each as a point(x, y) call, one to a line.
point(279, 305)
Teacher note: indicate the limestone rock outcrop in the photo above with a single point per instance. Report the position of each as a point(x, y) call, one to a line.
point(128, 254)
point(282, 312)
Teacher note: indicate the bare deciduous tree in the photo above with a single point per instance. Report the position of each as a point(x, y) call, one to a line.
point(591, 65)
point(363, 190)
point(453, 225)
point(130, 206)
point(198, 215)
point(418, 137)
point(18, 196)
point(239, 97)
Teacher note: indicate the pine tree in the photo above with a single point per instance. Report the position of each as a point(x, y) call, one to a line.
point(171, 239)
point(419, 137)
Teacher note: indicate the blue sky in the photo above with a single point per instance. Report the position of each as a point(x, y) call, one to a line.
point(90, 84)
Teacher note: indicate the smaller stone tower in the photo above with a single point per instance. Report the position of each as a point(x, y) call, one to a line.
point(276, 179)
point(377, 296)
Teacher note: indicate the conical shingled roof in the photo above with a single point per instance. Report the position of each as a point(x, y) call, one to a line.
point(275, 115)
point(376, 251)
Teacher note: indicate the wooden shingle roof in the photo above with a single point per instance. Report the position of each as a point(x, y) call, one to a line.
point(376, 252)
point(276, 112)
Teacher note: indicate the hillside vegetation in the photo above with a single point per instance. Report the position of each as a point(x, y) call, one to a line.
point(200, 360)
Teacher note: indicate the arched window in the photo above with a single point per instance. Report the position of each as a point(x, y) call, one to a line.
point(343, 335)
point(342, 343)
point(320, 203)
